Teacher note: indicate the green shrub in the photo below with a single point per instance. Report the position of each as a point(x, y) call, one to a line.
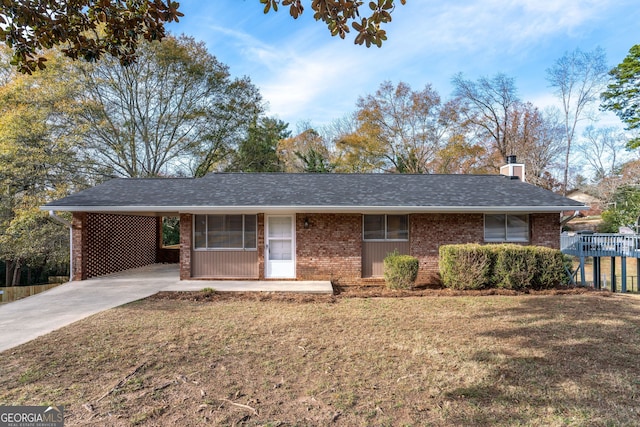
point(516, 267)
point(474, 266)
point(552, 266)
point(467, 266)
point(400, 271)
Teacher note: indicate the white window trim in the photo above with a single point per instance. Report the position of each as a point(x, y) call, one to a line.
point(206, 235)
point(506, 230)
point(386, 229)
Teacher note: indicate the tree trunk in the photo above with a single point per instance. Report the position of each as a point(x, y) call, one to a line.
point(8, 273)
point(16, 274)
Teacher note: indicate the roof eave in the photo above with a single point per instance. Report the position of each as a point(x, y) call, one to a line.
point(311, 209)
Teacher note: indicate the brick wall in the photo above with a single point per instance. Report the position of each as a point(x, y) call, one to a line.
point(79, 237)
point(104, 244)
point(427, 232)
point(186, 230)
point(330, 248)
point(545, 230)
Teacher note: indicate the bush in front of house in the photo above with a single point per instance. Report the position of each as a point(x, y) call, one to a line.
point(474, 266)
point(552, 268)
point(516, 267)
point(468, 266)
point(400, 271)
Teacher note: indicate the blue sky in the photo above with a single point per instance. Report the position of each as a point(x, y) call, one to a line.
point(307, 75)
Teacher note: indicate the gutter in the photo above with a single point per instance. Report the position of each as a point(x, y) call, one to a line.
point(63, 221)
point(314, 209)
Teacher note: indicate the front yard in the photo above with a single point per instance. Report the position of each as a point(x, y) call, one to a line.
point(268, 360)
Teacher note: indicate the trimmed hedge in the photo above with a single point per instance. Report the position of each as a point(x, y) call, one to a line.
point(466, 266)
point(474, 266)
point(400, 271)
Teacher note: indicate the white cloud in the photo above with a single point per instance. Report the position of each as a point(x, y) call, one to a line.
point(305, 74)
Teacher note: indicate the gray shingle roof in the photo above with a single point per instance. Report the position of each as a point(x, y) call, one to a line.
point(320, 192)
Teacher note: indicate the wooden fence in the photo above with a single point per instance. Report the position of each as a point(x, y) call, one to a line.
point(13, 293)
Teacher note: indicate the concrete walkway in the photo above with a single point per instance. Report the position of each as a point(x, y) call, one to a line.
point(28, 318)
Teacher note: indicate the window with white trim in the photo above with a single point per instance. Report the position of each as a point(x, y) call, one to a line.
point(385, 227)
point(231, 232)
point(506, 228)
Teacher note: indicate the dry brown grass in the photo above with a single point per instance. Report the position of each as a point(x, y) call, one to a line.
point(276, 360)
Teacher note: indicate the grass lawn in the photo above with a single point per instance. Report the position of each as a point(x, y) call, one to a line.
point(266, 360)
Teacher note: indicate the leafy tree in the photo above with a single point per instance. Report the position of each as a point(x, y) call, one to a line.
point(577, 78)
point(537, 141)
point(38, 162)
point(258, 151)
point(460, 156)
point(355, 151)
point(624, 211)
point(339, 14)
point(305, 152)
point(315, 161)
point(401, 127)
point(89, 29)
point(83, 28)
point(177, 109)
point(623, 92)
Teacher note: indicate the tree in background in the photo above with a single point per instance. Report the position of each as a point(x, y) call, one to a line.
point(84, 29)
point(603, 150)
point(578, 79)
point(258, 151)
point(398, 127)
point(622, 95)
point(305, 152)
point(499, 121)
point(488, 105)
point(537, 141)
point(624, 210)
point(175, 111)
point(353, 150)
point(460, 156)
point(38, 162)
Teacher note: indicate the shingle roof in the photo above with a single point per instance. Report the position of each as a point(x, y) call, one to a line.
point(266, 192)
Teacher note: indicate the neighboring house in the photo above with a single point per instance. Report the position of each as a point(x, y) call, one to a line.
point(303, 226)
point(594, 203)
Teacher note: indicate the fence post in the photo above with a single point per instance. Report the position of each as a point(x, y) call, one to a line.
point(613, 274)
point(623, 265)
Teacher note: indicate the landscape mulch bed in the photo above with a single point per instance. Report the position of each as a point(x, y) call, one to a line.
point(365, 291)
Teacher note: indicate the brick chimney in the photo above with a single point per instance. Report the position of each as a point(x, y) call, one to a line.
point(513, 168)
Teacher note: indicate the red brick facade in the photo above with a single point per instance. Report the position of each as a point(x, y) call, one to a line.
point(427, 232)
point(545, 230)
point(186, 233)
point(330, 248)
point(79, 244)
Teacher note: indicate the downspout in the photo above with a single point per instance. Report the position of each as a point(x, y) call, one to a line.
point(63, 221)
point(576, 214)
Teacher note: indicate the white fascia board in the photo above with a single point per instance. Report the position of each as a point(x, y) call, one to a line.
point(312, 209)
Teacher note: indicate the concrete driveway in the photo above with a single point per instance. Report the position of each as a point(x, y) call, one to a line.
point(28, 318)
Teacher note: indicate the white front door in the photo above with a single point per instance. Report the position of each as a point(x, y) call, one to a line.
point(280, 247)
